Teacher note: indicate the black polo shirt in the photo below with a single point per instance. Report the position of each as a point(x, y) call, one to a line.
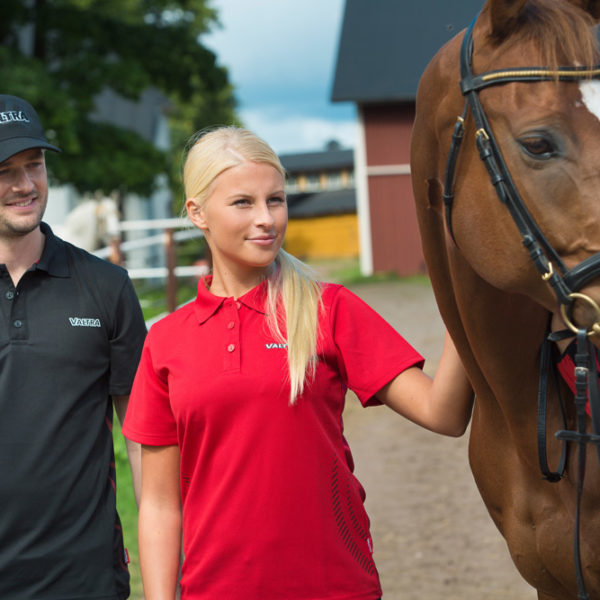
point(71, 335)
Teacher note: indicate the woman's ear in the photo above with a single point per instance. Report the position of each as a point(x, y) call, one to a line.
point(195, 213)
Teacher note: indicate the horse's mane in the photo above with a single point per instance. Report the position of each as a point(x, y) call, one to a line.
point(563, 33)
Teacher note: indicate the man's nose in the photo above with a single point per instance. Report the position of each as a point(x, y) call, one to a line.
point(23, 181)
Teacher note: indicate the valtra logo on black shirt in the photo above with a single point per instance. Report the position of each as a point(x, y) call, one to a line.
point(80, 322)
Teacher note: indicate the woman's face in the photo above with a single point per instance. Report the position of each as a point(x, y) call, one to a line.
point(245, 217)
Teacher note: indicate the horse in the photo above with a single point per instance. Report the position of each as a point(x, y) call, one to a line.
point(93, 224)
point(505, 168)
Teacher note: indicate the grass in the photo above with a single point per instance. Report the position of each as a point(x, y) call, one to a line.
point(127, 509)
point(153, 298)
point(347, 272)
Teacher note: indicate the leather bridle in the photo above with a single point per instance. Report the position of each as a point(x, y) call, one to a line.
point(565, 283)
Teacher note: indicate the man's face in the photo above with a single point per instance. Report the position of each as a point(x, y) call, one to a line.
point(23, 193)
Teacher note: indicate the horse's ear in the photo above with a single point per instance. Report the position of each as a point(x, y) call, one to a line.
point(590, 6)
point(503, 14)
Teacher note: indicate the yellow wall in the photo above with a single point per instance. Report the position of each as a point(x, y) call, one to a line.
point(333, 236)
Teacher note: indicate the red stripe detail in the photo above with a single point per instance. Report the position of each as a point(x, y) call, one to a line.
point(566, 367)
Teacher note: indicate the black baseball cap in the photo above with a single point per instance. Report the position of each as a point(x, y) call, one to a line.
point(20, 128)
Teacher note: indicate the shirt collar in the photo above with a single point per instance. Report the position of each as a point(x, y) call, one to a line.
point(54, 256)
point(207, 305)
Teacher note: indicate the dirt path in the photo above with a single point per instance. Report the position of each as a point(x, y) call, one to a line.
point(432, 534)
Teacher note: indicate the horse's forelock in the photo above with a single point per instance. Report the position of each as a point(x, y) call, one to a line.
point(563, 33)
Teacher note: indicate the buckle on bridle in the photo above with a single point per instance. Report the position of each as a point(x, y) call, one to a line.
point(595, 328)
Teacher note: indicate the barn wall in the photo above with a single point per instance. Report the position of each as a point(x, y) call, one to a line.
point(332, 236)
point(395, 240)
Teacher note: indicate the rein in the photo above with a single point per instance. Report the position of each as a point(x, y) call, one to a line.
point(564, 282)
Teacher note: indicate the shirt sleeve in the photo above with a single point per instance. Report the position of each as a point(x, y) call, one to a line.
point(126, 340)
point(149, 419)
point(370, 352)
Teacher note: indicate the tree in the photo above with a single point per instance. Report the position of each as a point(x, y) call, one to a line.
point(61, 54)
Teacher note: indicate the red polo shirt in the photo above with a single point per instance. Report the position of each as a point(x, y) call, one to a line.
point(271, 509)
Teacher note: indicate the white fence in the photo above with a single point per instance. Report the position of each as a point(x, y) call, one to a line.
point(167, 238)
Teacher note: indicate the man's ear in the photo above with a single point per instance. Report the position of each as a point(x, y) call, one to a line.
point(195, 213)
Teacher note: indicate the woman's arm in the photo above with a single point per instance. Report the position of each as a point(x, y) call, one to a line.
point(442, 404)
point(160, 522)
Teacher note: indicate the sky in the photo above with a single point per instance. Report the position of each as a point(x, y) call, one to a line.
point(281, 57)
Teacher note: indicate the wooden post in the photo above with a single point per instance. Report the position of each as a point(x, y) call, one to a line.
point(171, 260)
point(116, 256)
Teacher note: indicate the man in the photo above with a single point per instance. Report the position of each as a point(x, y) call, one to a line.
point(71, 332)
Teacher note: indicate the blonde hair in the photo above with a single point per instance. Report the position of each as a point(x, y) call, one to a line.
point(294, 294)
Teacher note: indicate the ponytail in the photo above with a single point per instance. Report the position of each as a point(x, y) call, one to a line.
point(294, 302)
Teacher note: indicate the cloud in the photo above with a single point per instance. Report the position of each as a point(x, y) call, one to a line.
point(267, 40)
point(281, 59)
point(300, 133)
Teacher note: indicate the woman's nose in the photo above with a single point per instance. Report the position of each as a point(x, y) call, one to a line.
point(264, 215)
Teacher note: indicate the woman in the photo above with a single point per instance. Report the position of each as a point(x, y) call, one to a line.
point(238, 404)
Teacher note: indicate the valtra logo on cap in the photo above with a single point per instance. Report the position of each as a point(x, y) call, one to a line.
point(13, 115)
point(20, 128)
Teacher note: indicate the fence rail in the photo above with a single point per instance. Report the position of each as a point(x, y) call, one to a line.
point(168, 239)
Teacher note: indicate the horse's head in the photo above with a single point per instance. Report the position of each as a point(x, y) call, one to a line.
point(505, 164)
point(107, 213)
point(548, 139)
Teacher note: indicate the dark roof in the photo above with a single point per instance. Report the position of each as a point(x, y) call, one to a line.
point(339, 202)
point(318, 161)
point(385, 45)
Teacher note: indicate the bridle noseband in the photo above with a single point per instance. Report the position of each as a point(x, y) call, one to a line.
point(565, 283)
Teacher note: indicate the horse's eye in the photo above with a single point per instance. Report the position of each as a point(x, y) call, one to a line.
point(538, 147)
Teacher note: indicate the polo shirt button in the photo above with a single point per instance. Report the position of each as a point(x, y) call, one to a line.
point(230, 325)
point(238, 305)
point(231, 348)
point(9, 295)
point(18, 323)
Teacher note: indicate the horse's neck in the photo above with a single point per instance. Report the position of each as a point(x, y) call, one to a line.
point(505, 332)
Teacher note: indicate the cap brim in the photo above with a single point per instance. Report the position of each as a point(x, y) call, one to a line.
point(14, 146)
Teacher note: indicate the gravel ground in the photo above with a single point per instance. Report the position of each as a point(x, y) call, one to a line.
point(432, 534)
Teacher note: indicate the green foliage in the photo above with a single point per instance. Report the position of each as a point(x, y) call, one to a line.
point(60, 54)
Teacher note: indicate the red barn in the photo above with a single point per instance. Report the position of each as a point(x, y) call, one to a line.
point(384, 48)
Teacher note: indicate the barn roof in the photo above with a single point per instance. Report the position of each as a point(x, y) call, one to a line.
point(324, 160)
point(321, 203)
point(385, 45)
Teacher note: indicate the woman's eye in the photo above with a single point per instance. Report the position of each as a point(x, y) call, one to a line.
point(538, 147)
point(277, 200)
